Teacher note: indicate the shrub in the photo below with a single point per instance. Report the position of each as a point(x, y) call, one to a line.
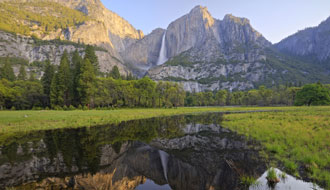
point(85, 108)
point(58, 108)
point(65, 108)
point(71, 107)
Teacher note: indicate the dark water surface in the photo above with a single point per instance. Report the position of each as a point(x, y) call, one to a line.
point(181, 152)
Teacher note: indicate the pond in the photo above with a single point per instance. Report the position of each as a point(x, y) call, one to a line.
point(181, 152)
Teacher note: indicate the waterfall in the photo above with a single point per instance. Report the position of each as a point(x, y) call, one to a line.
point(164, 160)
point(162, 58)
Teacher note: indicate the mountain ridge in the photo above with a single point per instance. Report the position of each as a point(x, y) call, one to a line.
point(311, 42)
point(102, 27)
point(229, 54)
point(204, 53)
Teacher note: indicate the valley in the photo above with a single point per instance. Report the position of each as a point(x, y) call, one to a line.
point(88, 101)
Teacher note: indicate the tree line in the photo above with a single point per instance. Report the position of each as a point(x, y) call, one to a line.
point(285, 95)
point(78, 83)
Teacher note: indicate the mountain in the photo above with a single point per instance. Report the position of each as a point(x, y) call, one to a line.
point(310, 43)
point(79, 21)
point(196, 50)
point(210, 54)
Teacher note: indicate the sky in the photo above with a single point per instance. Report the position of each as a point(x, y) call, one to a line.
point(274, 19)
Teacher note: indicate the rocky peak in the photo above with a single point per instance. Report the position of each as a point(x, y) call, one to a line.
point(311, 42)
point(202, 12)
point(238, 31)
point(236, 20)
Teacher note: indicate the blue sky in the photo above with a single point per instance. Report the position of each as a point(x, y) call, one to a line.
point(275, 19)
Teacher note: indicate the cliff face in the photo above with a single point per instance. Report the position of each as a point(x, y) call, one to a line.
point(143, 54)
point(201, 38)
point(28, 49)
point(107, 26)
point(311, 42)
point(209, 54)
point(203, 53)
point(101, 27)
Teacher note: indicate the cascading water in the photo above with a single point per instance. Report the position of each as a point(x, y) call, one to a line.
point(163, 52)
point(164, 159)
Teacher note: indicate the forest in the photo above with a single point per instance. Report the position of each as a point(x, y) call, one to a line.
point(24, 17)
point(77, 83)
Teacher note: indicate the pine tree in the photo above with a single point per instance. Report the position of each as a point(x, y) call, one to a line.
point(8, 72)
point(87, 83)
point(115, 74)
point(22, 73)
point(64, 72)
point(91, 56)
point(61, 86)
point(76, 71)
point(130, 77)
point(56, 91)
point(32, 77)
point(47, 79)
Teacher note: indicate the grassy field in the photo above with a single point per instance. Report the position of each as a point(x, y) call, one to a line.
point(25, 121)
point(299, 138)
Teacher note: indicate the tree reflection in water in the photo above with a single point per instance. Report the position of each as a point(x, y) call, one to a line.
point(199, 153)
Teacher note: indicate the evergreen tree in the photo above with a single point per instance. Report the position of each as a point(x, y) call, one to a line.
point(56, 91)
point(76, 71)
point(47, 79)
point(32, 77)
point(87, 83)
point(91, 56)
point(115, 74)
point(22, 73)
point(65, 75)
point(61, 86)
point(130, 77)
point(8, 72)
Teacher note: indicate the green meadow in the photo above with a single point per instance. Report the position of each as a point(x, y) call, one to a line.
point(295, 138)
point(25, 121)
point(299, 138)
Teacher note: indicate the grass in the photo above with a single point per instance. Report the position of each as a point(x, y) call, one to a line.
point(13, 124)
point(299, 138)
point(25, 121)
point(271, 175)
point(248, 181)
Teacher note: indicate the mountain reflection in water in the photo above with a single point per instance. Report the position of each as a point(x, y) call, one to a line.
point(180, 152)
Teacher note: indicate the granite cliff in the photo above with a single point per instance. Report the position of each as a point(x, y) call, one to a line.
point(202, 52)
point(210, 54)
point(99, 26)
point(312, 42)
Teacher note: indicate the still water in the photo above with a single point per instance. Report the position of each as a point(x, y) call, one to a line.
point(181, 152)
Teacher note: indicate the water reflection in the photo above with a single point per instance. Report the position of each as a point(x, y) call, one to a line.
point(180, 152)
point(286, 182)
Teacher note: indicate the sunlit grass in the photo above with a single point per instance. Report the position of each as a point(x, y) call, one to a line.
point(297, 136)
point(300, 138)
point(15, 121)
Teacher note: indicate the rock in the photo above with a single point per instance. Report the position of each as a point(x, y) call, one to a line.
point(209, 54)
point(26, 48)
point(104, 28)
point(312, 42)
point(143, 54)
